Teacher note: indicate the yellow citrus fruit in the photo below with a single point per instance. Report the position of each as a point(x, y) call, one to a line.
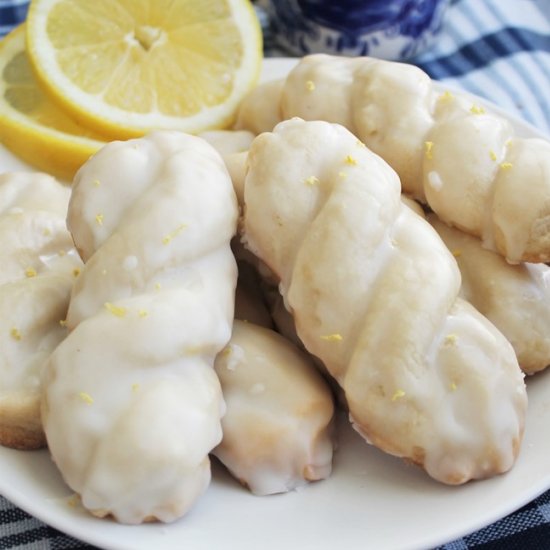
point(126, 67)
point(31, 126)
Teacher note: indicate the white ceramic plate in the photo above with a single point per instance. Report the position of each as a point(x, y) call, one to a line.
point(372, 501)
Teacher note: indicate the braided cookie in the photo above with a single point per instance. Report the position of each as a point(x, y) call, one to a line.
point(132, 404)
point(278, 426)
point(373, 291)
point(515, 298)
point(260, 111)
point(233, 146)
point(38, 265)
point(466, 162)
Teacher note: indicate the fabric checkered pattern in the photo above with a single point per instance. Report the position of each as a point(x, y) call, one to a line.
point(499, 50)
point(496, 49)
point(12, 12)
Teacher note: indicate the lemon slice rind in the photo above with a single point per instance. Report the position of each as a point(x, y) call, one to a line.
point(92, 111)
point(44, 147)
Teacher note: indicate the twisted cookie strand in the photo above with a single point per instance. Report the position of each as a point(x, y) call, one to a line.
point(515, 298)
point(278, 426)
point(38, 265)
point(466, 162)
point(132, 404)
point(373, 291)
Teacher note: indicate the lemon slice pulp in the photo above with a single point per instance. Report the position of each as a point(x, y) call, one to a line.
point(31, 126)
point(125, 67)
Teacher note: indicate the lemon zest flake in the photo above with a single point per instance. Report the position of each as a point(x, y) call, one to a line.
point(492, 155)
point(226, 351)
point(143, 313)
point(477, 109)
point(16, 334)
point(96, 183)
point(99, 219)
point(169, 236)
point(194, 350)
point(312, 180)
point(158, 286)
point(135, 387)
point(30, 272)
point(453, 386)
point(63, 322)
point(428, 149)
point(343, 175)
point(451, 339)
point(446, 96)
point(506, 165)
point(46, 232)
point(76, 272)
point(310, 85)
point(457, 252)
point(117, 311)
point(359, 143)
point(332, 337)
point(73, 500)
point(350, 160)
point(398, 395)
point(86, 397)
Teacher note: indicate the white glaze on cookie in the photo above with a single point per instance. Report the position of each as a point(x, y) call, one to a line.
point(443, 145)
point(278, 425)
point(515, 298)
point(133, 383)
point(38, 265)
point(373, 291)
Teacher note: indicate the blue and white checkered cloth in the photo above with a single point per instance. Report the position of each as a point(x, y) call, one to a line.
point(12, 12)
point(497, 49)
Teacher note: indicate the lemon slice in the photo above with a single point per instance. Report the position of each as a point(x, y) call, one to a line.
point(125, 67)
point(30, 125)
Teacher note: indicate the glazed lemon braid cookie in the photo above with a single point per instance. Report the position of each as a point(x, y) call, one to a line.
point(515, 298)
point(466, 162)
point(260, 111)
point(132, 404)
point(38, 264)
point(258, 299)
point(233, 146)
point(228, 142)
point(373, 291)
point(277, 431)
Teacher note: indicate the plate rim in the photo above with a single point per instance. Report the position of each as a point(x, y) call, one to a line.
point(64, 523)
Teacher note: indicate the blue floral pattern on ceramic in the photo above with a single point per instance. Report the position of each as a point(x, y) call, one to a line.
point(390, 29)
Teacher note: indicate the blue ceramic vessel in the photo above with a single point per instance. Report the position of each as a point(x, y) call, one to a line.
point(388, 29)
